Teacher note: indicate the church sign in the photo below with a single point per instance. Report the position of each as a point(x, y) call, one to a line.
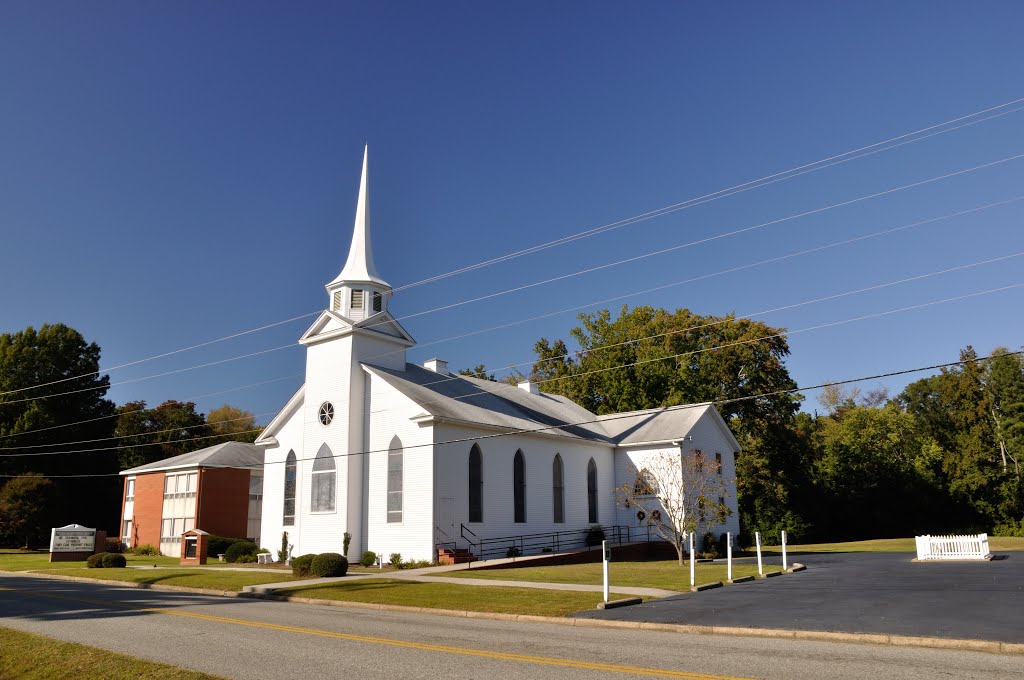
point(72, 542)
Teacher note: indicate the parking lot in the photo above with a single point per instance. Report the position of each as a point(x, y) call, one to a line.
point(862, 593)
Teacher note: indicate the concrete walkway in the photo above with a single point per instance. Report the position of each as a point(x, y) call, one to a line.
point(426, 575)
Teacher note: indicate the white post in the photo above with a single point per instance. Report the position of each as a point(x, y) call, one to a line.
point(784, 565)
point(604, 559)
point(728, 553)
point(760, 567)
point(693, 563)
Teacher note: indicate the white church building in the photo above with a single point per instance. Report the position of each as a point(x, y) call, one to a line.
point(409, 459)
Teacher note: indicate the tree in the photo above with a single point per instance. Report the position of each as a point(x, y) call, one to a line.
point(677, 495)
point(27, 508)
point(648, 358)
point(152, 434)
point(480, 371)
point(232, 424)
point(67, 407)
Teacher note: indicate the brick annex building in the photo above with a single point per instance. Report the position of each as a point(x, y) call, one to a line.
point(218, 489)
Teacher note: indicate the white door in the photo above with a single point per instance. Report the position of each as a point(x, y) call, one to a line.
point(446, 519)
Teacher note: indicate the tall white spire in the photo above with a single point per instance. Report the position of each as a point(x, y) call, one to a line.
point(359, 266)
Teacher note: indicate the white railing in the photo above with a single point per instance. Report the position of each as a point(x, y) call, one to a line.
point(953, 547)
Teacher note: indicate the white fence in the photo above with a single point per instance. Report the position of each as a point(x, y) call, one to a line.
point(953, 547)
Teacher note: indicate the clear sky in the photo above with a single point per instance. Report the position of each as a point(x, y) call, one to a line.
point(175, 172)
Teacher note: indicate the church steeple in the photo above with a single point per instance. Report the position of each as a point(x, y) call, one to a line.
point(359, 291)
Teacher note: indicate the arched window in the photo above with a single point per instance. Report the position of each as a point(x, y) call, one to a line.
point(519, 487)
point(558, 488)
point(396, 464)
point(592, 492)
point(290, 474)
point(322, 490)
point(476, 485)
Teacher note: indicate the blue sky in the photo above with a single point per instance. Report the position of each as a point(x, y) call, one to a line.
point(178, 172)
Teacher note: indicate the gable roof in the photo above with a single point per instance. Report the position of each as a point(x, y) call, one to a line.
point(226, 455)
point(462, 399)
point(331, 324)
point(662, 424)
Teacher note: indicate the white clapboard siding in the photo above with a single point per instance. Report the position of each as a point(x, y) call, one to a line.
point(953, 547)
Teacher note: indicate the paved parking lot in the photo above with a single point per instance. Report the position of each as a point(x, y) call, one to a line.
point(862, 593)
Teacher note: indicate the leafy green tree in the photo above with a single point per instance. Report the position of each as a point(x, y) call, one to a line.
point(648, 358)
point(232, 424)
point(68, 406)
point(478, 371)
point(28, 508)
point(152, 434)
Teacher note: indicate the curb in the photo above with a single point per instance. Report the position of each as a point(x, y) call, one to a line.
point(985, 646)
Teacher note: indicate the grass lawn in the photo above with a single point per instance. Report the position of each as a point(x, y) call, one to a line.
point(666, 574)
point(34, 657)
point(995, 543)
point(16, 560)
point(448, 596)
point(220, 579)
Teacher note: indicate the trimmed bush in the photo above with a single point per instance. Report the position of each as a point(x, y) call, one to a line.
point(239, 548)
point(246, 559)
point(144, 549)
point(218, 545)
point(301, 564)
point(512, 552)
point(95, 561)
point(710, 545)
point(395, 560)
point(595, 535)
point(114, 561)
point(329, 564)
point(114, 545)
point(368, 559)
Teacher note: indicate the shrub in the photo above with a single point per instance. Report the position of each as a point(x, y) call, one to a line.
point(723, 544)
point(368, 559)
point(114, 545)
point(1010, 528)
point(263, 551)
point(418, 564)
point(395, 560)
point(95, 561)
point(282, 554)
point(114, 561)
point(144, 549)
point(329, 564)
point(301, 565)
point(512, 552)
point(218, 545)
point(239, 548)
point(245, 559)
point(344, 544)
point(709, 545)
point(595, 535)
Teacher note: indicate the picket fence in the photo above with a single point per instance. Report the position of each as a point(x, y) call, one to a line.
point(953, 547)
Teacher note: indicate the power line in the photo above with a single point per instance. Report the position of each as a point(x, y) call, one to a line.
point(118, 415)
point(730, 191)
point(618, 416)
point(722, 193)
point(707, 239)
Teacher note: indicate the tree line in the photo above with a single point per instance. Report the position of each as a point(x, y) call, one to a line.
point(944, 455)
point(36, 491)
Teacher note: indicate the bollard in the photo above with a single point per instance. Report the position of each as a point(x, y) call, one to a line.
point(693, 563)
point(605, 557)
point(728, 553)
point(760, 567)
point(784, 565)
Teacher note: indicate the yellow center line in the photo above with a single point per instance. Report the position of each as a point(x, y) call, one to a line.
point(423, 646)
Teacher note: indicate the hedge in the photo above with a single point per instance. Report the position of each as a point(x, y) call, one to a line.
point(114, 561)
point(301, 564)
point(239, 548)
point(329, 564)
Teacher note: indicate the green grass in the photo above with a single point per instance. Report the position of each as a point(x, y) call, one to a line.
point(16, 560)
point(665, 574)
point(996, 544)
point(34, 657)
point(220, 579)
point(498, 599)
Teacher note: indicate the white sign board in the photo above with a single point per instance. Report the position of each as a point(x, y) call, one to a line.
point(72, 538)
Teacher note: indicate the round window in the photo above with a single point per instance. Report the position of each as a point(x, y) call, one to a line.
point(326, 413)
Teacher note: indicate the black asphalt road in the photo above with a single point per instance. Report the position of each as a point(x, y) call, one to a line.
point(862, 593)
